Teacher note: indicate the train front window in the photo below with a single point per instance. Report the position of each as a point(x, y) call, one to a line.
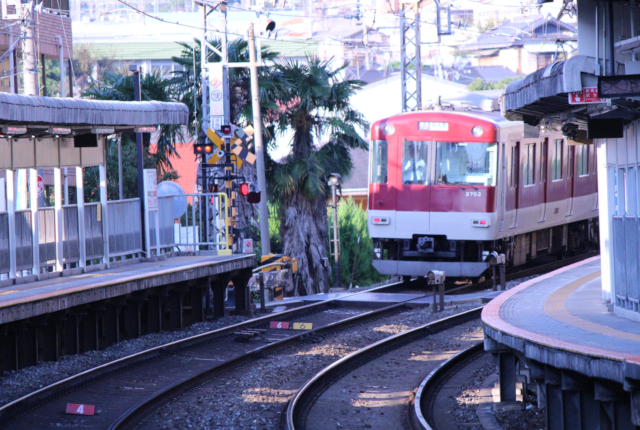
point(466, 163)
point(379, 151)
point(414, 162)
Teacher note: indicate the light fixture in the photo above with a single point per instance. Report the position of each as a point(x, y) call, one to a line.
point(59, 130)
point(334, 179)
point(103, 130)
point(145, 129)
point(14, 130)
point(389, 129)
point(477, 131)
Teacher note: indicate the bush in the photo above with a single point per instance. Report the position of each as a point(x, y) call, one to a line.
point(353, 224)
point(480, 85)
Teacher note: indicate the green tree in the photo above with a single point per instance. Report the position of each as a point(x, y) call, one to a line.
point(481, 85)
point(353, 225)
point(315, 105)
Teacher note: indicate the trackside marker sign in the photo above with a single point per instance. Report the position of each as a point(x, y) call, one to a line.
point(78, 409)
point(279, 324)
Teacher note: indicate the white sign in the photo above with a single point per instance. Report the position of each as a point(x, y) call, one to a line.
point(433, 126)
point(152, 189)
point(216, 95)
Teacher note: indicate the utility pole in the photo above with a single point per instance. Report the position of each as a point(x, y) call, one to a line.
point(30, 62)
point(257, 138)
point(139, 154)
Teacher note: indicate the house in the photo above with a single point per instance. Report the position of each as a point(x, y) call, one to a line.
point(524, 44)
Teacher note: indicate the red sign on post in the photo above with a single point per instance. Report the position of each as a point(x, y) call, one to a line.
point(586, 96)
point(279, 324)
point(77, 409)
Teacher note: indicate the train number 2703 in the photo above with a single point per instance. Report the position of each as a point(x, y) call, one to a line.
point(473, 194)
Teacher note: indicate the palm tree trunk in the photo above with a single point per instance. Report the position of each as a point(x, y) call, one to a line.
point(303, 233)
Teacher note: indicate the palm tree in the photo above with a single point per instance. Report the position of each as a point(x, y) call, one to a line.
point(315, 106)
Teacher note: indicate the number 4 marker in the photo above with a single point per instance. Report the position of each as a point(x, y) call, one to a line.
point(77, 409)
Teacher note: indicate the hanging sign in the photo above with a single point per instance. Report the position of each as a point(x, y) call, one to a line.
point(151, 188)
point(586, 96)
point(217, 91)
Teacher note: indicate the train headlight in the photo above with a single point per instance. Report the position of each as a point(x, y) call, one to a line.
point(477, 131)
point(389, 129)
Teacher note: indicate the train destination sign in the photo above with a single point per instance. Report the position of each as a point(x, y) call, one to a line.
point(433, 126)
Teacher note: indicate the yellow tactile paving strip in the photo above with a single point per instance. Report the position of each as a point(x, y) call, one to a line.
point(491, 317)
point(555, 307)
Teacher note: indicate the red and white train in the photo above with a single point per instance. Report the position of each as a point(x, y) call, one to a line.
point(449, 187)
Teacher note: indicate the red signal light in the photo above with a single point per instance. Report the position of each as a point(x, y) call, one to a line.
point(197, 149)
point(226, 129)
point(244, 190)
point(208, 149)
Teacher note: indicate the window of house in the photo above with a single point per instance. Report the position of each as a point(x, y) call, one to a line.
point(529, 164)
point(556, 162)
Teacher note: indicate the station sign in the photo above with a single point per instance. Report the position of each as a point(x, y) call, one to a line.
point(588, 95)
point(619, 86)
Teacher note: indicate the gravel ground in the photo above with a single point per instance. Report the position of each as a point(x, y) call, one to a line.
point(17, 384)
point(464, 410)
point(255, 397)
point(531, 418)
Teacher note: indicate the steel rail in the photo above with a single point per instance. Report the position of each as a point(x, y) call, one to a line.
point(28, 401)
point(303, 400)
point(434, 381)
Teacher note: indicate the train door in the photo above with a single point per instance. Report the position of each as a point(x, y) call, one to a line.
point(544, 152)
point(571, 159)
point(503, 183)
point(514, 184)
point(414, 190)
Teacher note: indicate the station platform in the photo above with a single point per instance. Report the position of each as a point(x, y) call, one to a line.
point(46, 319)
point(571, 343)
point(365, 298)
point(29, 300)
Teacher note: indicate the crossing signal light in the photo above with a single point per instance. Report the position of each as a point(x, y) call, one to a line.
point(244, 190)
point(226, 130)
point(199, 148)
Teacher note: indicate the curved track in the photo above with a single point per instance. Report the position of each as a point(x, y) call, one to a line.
point(126, 389)
point(373, 385)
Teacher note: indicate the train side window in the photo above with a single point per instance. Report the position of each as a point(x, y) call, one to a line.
point(379, 161)
point(514, 166)
point(583, 160)
point(414, 162)
point(529, 164)
point(556, 163)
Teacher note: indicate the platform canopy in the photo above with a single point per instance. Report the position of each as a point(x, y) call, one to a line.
point(543, 96)
point(81, 114)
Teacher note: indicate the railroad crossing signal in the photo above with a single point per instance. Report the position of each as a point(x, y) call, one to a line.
point(241, 153)
point(199, 148)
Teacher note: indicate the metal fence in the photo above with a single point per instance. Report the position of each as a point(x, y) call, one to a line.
point(71, 241)
point(190, 231)
point(125, 228)
point(24, 247)
point(93, 230)
point(166, 221)
point(47, 236)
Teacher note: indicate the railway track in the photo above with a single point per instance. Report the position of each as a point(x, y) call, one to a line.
point(373, 385)
point(127, 389)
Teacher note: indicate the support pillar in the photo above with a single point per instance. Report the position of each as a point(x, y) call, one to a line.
point(71, 334)
point(11, 212)
point(507, 379)
point(242, 295)
point(176, 320)
point(554, 405)
point(197, 294)
point(29, 347)
point(105, 215)
point(51, 338)
point(154, 321)
point(132, 318)
point(59, 219)
point(112, 324)
point(82, 244)
point(89, 332)
point(218, 288)
point(35, 231)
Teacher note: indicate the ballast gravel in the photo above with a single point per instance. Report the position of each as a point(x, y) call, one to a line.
point(255, 397)
point(15, 384)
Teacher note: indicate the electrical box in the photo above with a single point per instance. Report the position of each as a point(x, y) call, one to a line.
point(247, 246)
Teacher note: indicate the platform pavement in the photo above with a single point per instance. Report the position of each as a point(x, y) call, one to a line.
point(31, 299)
point(559, 319)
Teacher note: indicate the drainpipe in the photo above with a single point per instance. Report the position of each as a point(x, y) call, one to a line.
point(612, 67)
